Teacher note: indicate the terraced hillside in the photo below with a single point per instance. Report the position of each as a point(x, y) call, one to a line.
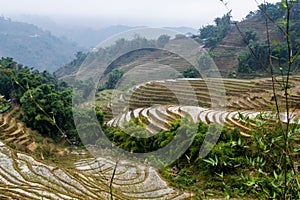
point(140, 57)
point(240, 94)
point(14, 132)
point(24, 177)
point(226, 53)
point(158, 118)
point(162, 102)
point(176, 55)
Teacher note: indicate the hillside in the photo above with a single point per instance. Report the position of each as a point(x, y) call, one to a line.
point(231, 42)
point(77, 176)
point(33, 46)
point(36, 164)
point(160, 101)
point(158, 106)
point(137, 57)
point(226, 53)
point(87, 35)
point(152, 118)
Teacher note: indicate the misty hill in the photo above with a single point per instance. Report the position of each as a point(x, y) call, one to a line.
point(89, 37)
point(227, 42)
point(86, 35)
point(138, 57)
point(32, 46)
point(225, 53)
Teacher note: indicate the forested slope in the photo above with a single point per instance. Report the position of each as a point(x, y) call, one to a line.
point(33, 46)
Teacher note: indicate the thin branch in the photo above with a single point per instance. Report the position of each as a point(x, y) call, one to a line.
point(271, 67)
point(112, 180)
point(269, 18)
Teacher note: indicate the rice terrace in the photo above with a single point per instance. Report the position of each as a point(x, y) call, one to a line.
point(153, 113)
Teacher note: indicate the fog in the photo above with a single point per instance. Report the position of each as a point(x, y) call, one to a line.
point(154, 13)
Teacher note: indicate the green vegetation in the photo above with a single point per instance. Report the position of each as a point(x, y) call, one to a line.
point(190, 72)
point(228, 43)
point(263, 165)
point(238, 166)
point(249, 37)
point(250, 64)
point(73, 66)
point(48, 110)
point(213, 34)
point(257, 58)
point(4, 104)
point(274, 172)
point(133, 53)
point(162, 41)
point(113, 79)
point(255, 157)
point(136, 139)
point(46, 102)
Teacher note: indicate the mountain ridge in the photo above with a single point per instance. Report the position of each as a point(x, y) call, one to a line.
point(32, 46)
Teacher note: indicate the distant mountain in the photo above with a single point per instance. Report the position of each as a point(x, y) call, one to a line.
point(87, 36)
point(184, 30)
point(34, 47)
point(91, 37)
point(231, 54)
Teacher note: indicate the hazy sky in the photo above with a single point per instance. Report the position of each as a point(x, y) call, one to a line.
point(132, 12)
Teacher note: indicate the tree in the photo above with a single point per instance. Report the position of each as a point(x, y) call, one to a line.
point(48, 110)
point(190, 72)
point(213, 34)
point(162, 41)
point(113, 79)
point(274, 11)
point(249, 64)
point(250, 37)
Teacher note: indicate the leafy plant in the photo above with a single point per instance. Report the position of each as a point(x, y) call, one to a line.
point(274, 173)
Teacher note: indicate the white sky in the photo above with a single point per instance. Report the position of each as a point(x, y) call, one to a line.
point(193, 13)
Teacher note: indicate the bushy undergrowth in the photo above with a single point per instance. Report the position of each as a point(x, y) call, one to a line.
point(237, 166)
